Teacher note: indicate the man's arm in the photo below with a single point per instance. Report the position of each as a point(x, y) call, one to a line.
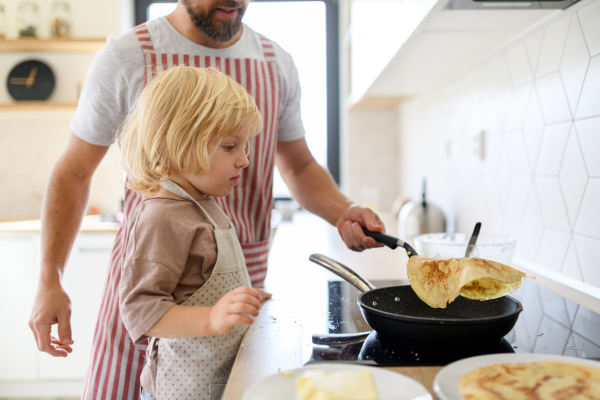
point(63, 208)
point(315, 190)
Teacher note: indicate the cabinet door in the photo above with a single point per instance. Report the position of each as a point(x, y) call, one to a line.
point(84, 281)
point(18, 350)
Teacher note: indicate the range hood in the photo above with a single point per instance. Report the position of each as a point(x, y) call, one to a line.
point(508, 4)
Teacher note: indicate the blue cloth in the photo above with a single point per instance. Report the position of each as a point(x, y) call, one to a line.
point(146, 396)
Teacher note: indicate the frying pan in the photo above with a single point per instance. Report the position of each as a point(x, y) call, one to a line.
point(399, 315)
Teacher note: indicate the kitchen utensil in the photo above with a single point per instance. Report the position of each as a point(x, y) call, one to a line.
point(439, 246)
point(416, 218)
point(473, 239)
point(398, 314)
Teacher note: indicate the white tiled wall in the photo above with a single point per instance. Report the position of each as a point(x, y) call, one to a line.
point(538, 103)
point(552, 324)
point(30, 145)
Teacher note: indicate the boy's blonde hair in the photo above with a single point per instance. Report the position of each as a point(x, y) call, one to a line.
point(179, 115)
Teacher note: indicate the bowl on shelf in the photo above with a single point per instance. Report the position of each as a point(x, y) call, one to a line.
point(440, 246)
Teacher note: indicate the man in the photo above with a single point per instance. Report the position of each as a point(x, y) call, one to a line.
point(202, 33)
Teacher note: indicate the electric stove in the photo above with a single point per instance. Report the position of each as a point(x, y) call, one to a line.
point(341, 334)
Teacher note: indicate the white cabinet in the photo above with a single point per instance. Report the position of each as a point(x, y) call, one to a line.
point(84, 281)
point(24, 371)
point(17, 347)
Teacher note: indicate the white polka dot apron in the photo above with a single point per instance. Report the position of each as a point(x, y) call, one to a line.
point(115, 361)
point(197, 368)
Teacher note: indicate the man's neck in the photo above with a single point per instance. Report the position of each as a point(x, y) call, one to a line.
point(182, 22)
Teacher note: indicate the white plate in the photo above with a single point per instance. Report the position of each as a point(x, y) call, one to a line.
point(445, 383)
point(390, 385)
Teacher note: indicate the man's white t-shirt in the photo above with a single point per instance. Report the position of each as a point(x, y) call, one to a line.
point(115, 80)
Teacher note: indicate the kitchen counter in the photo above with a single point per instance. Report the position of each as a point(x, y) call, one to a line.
point(280, 338)
point(90, 224)
point(280, 335)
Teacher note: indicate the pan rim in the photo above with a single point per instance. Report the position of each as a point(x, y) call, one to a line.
point(452, 321)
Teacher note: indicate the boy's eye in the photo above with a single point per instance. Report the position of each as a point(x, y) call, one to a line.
point(229, 148)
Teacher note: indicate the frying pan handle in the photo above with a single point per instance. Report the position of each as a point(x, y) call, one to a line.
point(391, 242)
point(342, 271)
point(382, 238)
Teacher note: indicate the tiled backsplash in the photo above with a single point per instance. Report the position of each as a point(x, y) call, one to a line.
point(537, 103)
point(30, 146)
point(554, 325)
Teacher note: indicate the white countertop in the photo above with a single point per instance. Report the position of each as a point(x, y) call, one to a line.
point(90, 224)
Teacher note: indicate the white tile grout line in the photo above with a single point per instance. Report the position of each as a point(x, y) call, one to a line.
point(541, 25)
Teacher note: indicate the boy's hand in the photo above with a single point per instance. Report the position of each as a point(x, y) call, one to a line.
point(263, 295)
point(230, 309)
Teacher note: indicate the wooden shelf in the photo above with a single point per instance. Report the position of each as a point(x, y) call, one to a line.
point(51, 45)
point(37, 106)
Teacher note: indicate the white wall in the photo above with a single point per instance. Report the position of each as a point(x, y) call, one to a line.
point(90, 19)
point(538, 102)
point(31, 143)
point(372, 152)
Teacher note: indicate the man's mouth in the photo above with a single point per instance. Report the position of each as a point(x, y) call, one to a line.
point(227, 13)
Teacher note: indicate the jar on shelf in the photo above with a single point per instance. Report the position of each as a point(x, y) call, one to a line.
point(27, 19)
point(2, 22)
point(60, 19)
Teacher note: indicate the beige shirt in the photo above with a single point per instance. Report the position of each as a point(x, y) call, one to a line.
point(170, 253)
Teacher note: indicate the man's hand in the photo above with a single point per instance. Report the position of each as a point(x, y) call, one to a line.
point(52, 306)
point(350, 227)
point(235, 308)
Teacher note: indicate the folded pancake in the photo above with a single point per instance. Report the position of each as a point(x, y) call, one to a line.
point(523, 381)
point(340, 385)
point(439, 282)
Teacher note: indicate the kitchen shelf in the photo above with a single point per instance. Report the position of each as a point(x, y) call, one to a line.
point(37, 106)
point(51, 45)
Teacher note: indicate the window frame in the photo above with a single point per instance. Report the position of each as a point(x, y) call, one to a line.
point(333, 84)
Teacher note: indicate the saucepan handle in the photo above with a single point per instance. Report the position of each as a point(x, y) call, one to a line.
point(342, 271)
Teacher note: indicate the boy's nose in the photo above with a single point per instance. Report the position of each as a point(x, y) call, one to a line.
point(243, 161)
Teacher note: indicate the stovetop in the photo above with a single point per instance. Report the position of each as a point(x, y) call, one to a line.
point(342, 335)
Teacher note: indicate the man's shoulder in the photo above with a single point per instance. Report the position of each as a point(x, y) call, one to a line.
point(283, 58)
point(258, 38)
point(126, 44)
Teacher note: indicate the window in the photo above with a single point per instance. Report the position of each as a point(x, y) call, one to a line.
point(315, 54)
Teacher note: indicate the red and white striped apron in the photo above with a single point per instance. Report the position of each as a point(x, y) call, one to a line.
point(116, 362)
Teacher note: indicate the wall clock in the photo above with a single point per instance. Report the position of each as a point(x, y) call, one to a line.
point(30, 80)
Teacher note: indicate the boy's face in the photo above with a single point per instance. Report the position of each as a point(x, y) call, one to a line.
point(228, 159)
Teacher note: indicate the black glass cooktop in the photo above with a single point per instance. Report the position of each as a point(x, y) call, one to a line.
point(342, 335)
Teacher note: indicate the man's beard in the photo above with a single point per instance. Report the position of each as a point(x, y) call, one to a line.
point(204, 21)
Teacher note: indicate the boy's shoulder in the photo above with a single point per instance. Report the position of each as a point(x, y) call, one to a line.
point(168, 216)
point(166, 210)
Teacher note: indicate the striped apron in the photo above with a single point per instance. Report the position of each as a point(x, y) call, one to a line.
point(116, 362)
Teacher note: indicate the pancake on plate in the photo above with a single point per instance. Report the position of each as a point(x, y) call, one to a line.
point(547, 380)
point(341, 385)
point(439, 282)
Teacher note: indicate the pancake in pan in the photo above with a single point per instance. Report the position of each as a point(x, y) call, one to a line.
point(439, 282)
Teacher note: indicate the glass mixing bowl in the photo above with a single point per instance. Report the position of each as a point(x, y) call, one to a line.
point(439, 246)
